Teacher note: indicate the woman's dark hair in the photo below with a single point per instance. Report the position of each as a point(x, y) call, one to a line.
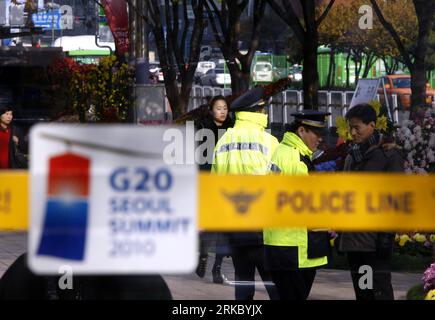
point(4, 109)
point(363, 111)
point(214, 99)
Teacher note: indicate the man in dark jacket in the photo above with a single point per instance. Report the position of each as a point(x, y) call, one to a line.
point(11, 142)
point(373, 249)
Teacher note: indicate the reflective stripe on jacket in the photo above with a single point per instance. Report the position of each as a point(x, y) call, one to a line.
point(246, 148)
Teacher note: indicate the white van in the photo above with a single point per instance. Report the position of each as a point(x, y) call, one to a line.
point(262, 72)
point(204, 66)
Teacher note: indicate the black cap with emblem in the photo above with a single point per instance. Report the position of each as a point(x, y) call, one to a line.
point(251, 100)
point(315, 120)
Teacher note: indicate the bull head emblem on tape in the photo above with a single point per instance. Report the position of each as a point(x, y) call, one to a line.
point(242, 200)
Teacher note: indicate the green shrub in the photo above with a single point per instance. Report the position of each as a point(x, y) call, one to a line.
point(416, 293)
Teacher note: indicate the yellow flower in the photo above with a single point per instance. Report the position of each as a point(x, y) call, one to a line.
point(419, 237)
point(343, 128)
point(404, 238)
point(381, 123)
point(376, 105)
point(432, 238)
point(397, 238)
point(430, 295)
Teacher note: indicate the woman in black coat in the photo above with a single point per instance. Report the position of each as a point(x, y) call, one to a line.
point(217, 121)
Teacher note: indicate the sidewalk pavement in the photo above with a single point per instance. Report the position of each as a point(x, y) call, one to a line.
point(328, 285)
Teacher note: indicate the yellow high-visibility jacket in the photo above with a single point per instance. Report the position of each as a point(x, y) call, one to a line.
point(287, 161)
point(246, 148)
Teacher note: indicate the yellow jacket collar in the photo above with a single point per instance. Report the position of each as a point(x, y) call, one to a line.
point(293, 140)
point(256, 119)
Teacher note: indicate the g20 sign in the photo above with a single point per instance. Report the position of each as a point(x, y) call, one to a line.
point(103, 200)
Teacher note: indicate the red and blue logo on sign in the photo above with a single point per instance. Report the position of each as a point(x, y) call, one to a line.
point(66, 212)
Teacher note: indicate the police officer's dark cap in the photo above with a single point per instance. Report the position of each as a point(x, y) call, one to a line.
point(315, 120)
point(251, 100)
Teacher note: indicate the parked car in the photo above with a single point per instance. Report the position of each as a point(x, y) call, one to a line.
point(215, 77)
point(208, 52)
point(202, 68)
point(400, 84)
point(262, 72)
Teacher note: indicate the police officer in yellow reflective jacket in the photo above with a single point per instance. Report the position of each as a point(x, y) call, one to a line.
point(293, 254)
point(247, 149)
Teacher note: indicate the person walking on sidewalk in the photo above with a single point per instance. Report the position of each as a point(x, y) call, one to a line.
point(373, 249)
point(217, 121)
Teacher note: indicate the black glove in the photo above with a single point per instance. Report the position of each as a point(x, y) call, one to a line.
point(384, 244)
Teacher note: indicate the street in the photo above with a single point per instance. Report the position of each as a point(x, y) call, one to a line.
point(328, 285)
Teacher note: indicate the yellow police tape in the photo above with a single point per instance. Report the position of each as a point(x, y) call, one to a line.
point(334, 201)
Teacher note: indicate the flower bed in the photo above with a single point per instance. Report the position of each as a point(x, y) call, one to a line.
point(412, 252)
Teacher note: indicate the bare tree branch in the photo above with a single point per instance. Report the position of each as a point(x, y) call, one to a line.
point(134, 8)
point(389, 27)
point(325, 13)
point(287, 13)
point(186, 26)
point(219, 40)
point(198, 31)
point(259, 7)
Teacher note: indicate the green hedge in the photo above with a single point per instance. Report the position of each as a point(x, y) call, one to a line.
point(416, 293)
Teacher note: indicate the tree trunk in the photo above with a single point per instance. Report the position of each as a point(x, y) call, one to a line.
point(386, 65)
point(357, 70)
point(239, 79)
point(395, 66)
point(347, 69)
point(358, 66)
point(172, 94)
point(424, 11)
point(309, 72)
point(370, 60)
point(425, 14)
point(331, 67)
point(418, 87)
point(333, 72)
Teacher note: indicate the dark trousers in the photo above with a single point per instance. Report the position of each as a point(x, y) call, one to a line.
point(245, 260)
point(381, 266)
point(294, 284)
